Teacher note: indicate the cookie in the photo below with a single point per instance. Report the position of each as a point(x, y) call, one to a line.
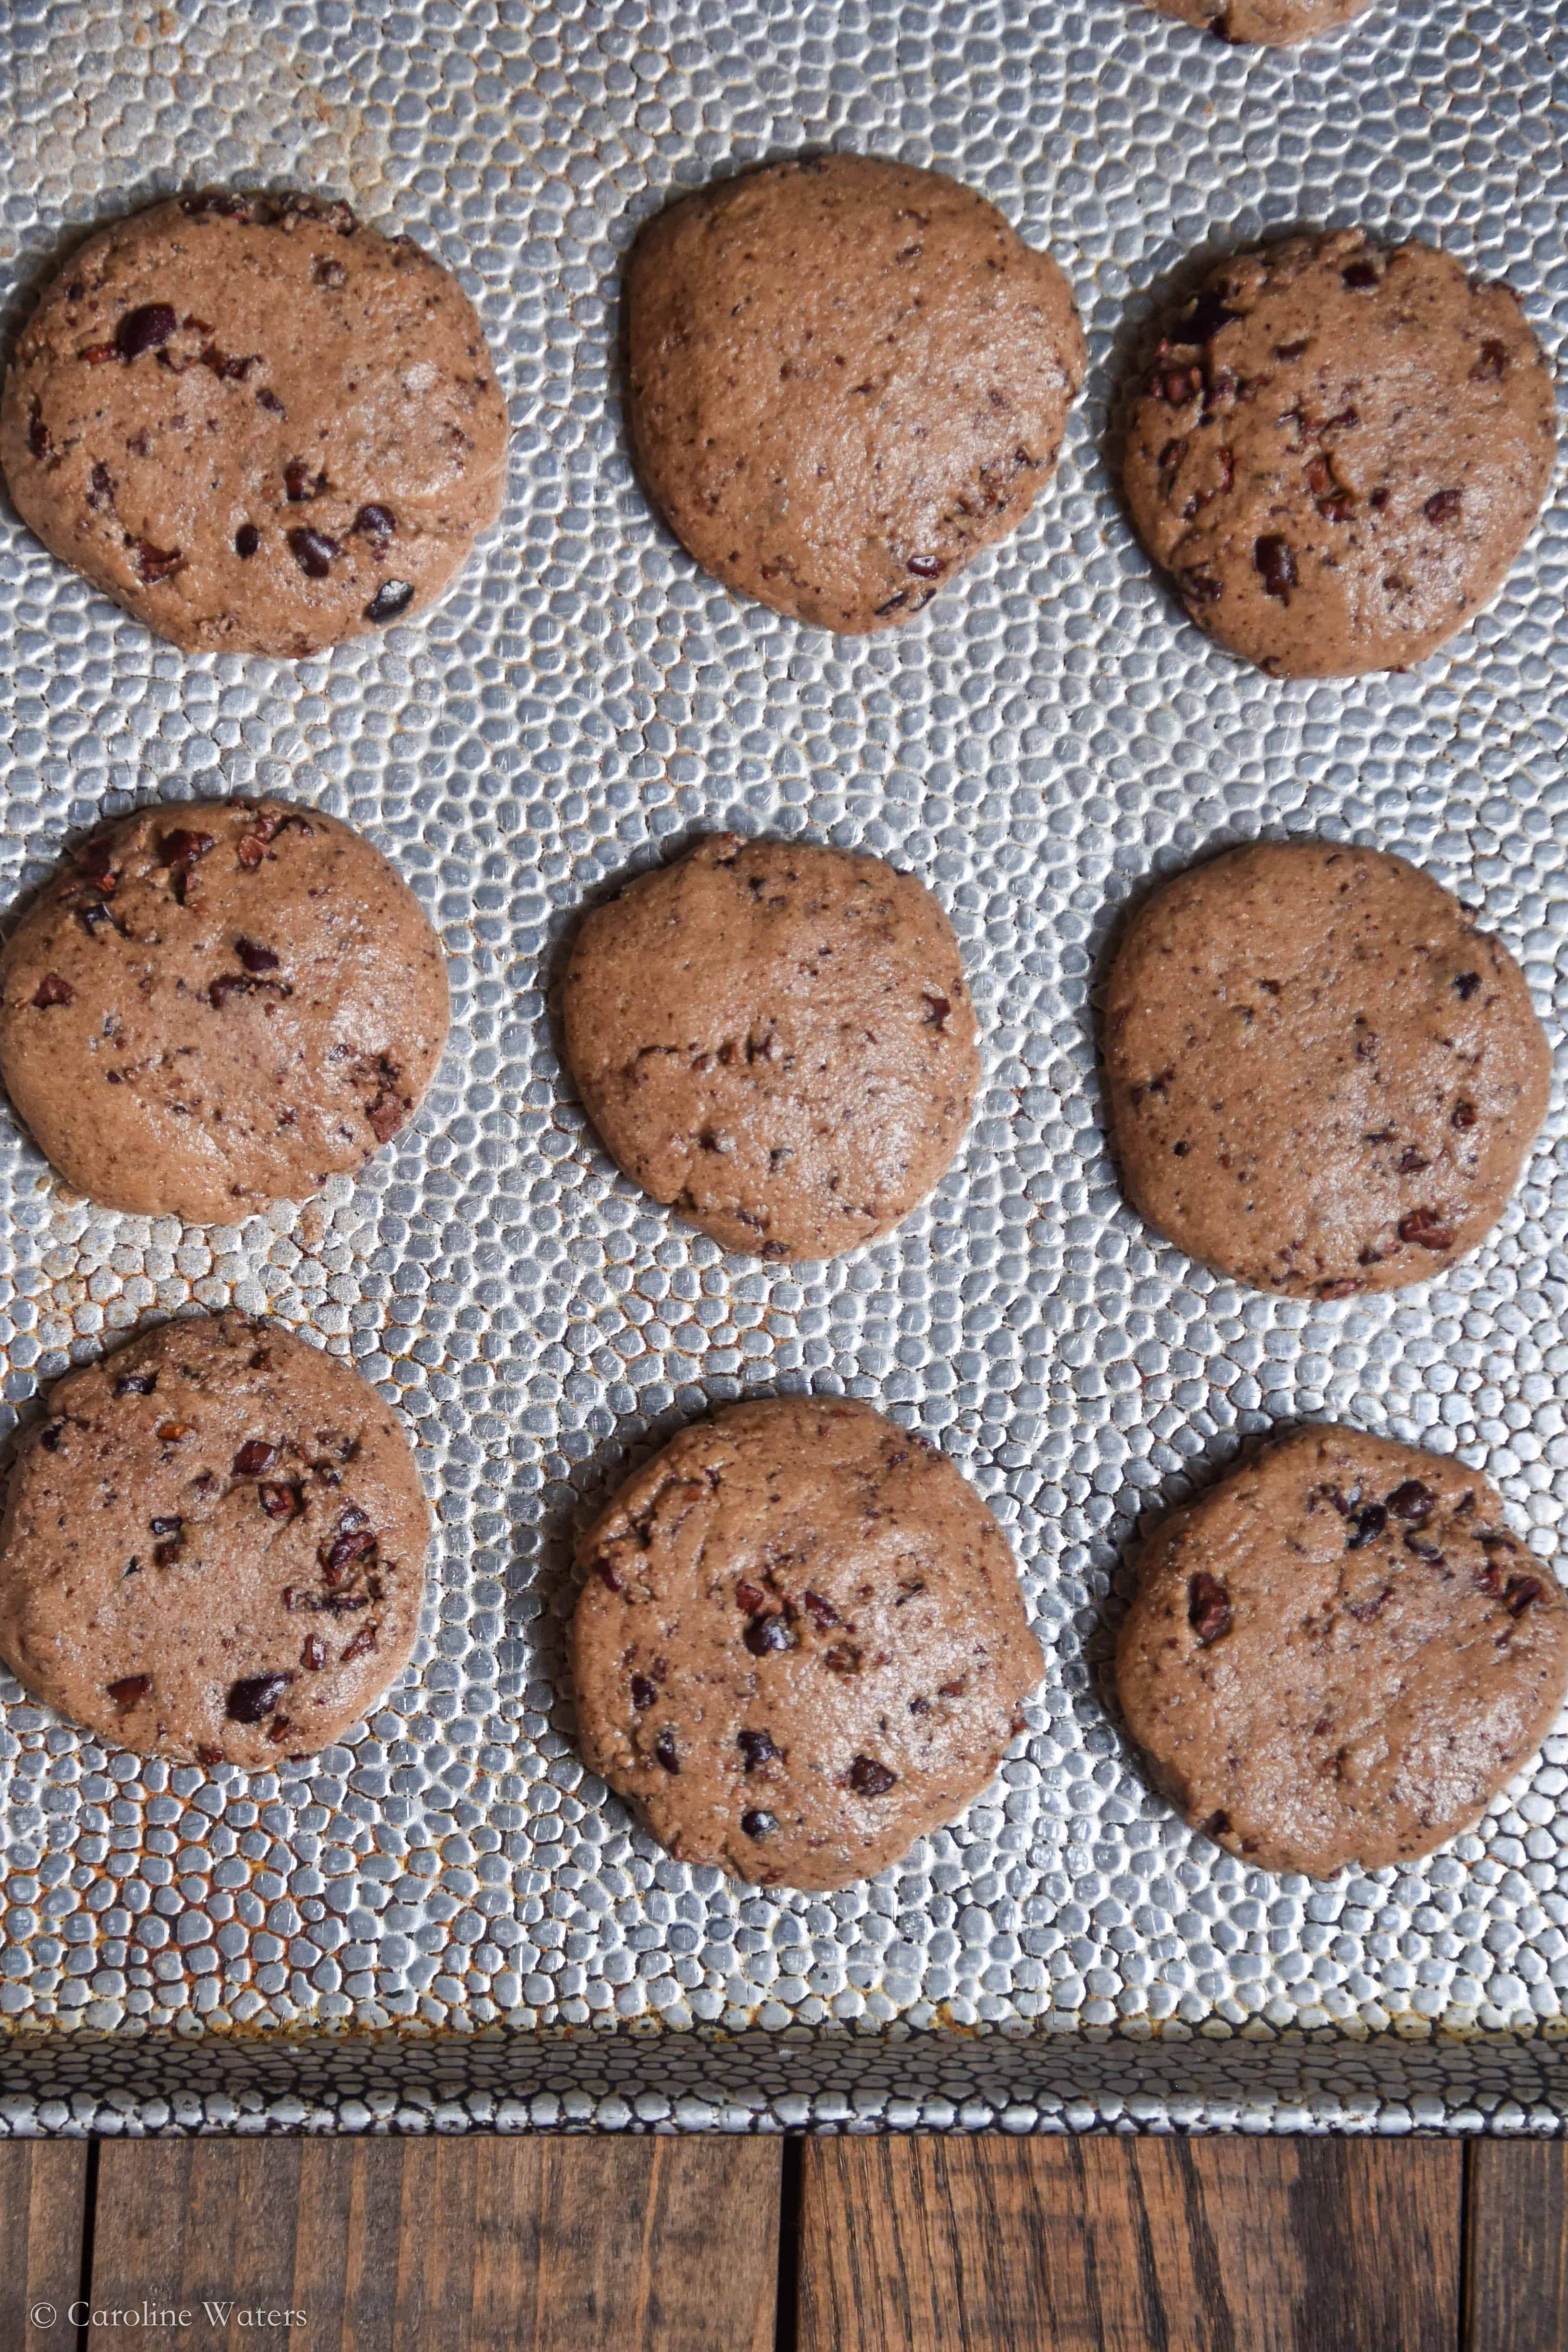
point(213, 1547)
point(217, 1004)
point(1340, 451)
point(1322, 1077)
point(1275, 23)
point(1339, 1653)
point(777, 1039)
point(254, 424)
point(845, 378)
point(800, 1643)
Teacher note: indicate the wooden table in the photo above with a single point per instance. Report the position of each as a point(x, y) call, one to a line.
point(824, 2245)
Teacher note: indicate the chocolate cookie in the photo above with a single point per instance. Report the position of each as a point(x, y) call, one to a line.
point(801, 1642)
point(1340, 451)
point(217, 1004)
point(213, 1547)
point(1322, 1077)
point(777, 1039)
point(847, 377)
point(1340, 1653)
point(257, 425)
point(1275, 23)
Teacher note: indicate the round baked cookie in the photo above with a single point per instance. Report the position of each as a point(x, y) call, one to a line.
point(847, 377)
point(255, 424)
point(1275, 23)
point(800, 1644)
point(213, 1545)
point(1322, 1077)
point(1339, 1653)
point(777, 1039)
point(217, 1004)
point(1339, 452)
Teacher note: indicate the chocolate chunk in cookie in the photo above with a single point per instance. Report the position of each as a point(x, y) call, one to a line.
point(1340, 1652)
point(258, 425)
point(213, 1547)
point(1339, 450)
point(1323, 1078)
point(800, 1643)
point(217, 1004)
point(847, 376)
point(777, 1038)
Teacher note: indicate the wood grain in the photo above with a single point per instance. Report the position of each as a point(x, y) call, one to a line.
point(1516, 2276)
point(1117, 2245)
point(42, 2186)
point(448, 2245)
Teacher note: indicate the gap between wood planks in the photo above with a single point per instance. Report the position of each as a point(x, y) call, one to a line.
point(852, 2244)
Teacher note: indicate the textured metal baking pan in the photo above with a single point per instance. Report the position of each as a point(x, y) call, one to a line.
point(443, 1922)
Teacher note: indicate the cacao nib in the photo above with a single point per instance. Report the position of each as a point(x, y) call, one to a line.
point(135, 1384)
point(255, 1456)
point(313, 1656)
point(750, 1599)
point(926, 567)
point(39, 438)
point(1208, 1607)
point(757, 1747)
point(300, 483)
point(1464, 984)
point(1442, 505)
point(869, 1779)
point(313, 551)
point(209, 1756)
point(278, 1502)
point(145, 329)
point(155, 563)
point(363, 1644)
point(1414, 1501)
point(387, 1115)
point(1361, 275)
point(53, 990)
point(665, 1752)
point(180, 850)
point(243, 983)
point(254, 1697)
point(1492, 362)
point(129, 1691)
point(1462, 1116)
point(642, 1693)
point(1522, 1590)
point(246, 540)
point(393, 596)
point(1366, 1525)
point(253, 958)
point(936, 1013)
point(822, 1612)
point(267, 398)
point(167, 1527)
point(1276, 561)
point(758, 1824)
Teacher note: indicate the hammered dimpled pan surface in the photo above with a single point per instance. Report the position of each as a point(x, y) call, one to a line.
point(1035, 746)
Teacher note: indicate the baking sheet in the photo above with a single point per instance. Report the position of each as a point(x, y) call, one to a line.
point(445, 1920)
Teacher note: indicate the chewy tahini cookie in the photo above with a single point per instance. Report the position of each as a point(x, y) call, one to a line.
point(1339, 450)
point(800, 1643)
point(255, 423)
point(777, 1039)
point(220, 1003)
point(1323, 1078)
point(213, 1547)
point(1340, 1652)
point(847, 377)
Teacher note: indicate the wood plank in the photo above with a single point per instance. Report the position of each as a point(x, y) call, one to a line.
point(42, 2186)
point(1516, 2275)
point(448, 2245)
point(995, 2244)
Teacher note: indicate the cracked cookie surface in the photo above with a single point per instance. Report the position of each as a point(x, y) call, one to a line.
point(213, 1547)
point(1322, 1077)
point(1339, 450)
point(258, 425)
point(1273, 23)
point(847, 377)
point(1340, 1652)
point(776, 1038)
point(220, 1003)
point(800, 1644)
